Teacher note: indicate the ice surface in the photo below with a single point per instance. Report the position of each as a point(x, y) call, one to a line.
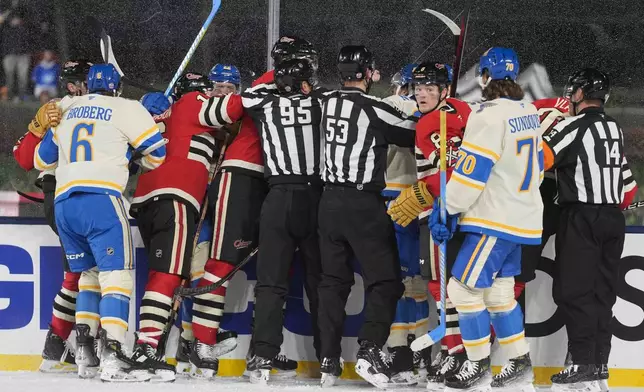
point(36, 382)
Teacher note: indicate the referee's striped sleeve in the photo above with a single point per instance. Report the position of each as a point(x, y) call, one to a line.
point(398, 128)
point(558, 140)
point(221, 110)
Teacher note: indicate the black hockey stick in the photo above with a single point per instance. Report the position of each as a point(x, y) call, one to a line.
point(29, 197)
point(194, 291)
point(634, 205)
point(108, 53)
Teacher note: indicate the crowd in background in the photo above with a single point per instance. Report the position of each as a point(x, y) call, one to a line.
point(27, 46)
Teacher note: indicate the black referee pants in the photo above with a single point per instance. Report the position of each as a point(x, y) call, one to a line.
point(588, 249)
point(354, 222)
point(288, 220)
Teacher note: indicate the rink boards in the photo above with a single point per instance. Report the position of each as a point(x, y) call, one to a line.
point(31, 272)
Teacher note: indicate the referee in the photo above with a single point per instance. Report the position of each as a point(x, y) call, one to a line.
point(288, 119)
point(587, 152)
point(353, 220)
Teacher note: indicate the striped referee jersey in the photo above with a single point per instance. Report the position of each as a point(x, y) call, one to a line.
point(587, 153)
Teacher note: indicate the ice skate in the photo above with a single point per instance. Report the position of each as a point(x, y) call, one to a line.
point(118, 367)
point(331, 369)
point(283, 367)
point(203, 361)
point(259, 369)
point(146, 357)
point(516, 376)
point(402, 366)
point(474, 376)
point(86, 358)
point(183, 357)
point(576, 378)
point(602, 377)
point(57, 355)
point(373, 364)
point(422, 361)
point(444, 365)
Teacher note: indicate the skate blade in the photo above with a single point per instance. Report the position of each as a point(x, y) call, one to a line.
point(603, 385)
point(404, 379)
point(483, 388)
point(202, 373)
point(163, 376)
point(122, 377)
point(87, 371)
point(328, 380)
point(51, 366)
point(224, 347)
point(183, 369)
point(590, 386)
point(378, 380)
point(516, 388)
point(260, 376)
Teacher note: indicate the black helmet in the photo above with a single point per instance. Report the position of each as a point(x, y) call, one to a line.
point(431, 72)
point(292, 47)
point(74, 71)
point(594, 83)
point(290, 74)
point(191, 81)
point(354, 61)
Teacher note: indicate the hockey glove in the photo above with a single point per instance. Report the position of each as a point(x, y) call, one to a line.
point(48, 116)
point(410, 203)
point(156, 103)
point(441, 232)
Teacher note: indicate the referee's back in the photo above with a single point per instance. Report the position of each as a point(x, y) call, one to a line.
point(587, 151)
point(357, 130)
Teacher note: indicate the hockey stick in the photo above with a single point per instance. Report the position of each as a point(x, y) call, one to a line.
point(634, 205)
point(184, 64)
point(438, 333)
point(108, 53)
point(29, 197)
point(176, 304)
point(460, 45)
point(194, 291)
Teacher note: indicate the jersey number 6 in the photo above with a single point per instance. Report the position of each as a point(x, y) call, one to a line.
point(81, 139)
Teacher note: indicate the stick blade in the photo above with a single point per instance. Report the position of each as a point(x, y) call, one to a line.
point(429, 339)
point(454, 28)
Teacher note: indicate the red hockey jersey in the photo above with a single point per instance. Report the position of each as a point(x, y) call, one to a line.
point(189, 153)
point(24, 150)
point(428, 143)
point(244, 154)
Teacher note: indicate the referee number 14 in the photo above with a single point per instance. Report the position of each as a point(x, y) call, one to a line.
point(612, 152)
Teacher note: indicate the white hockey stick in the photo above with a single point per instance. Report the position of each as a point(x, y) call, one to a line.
point(184, 64)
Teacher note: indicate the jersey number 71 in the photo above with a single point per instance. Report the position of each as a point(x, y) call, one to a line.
point(529, 147)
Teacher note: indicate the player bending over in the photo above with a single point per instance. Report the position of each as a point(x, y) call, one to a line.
point(495, 190)
point(57, 355)
point(92, 147)
point(431, 81)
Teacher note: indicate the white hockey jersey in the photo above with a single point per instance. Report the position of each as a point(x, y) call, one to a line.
point(94, 142)
point(401, 162)
point(495, 185)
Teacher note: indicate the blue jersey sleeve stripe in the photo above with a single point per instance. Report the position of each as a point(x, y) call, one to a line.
point(474, 166)
point(46, 154)
point(151, 143)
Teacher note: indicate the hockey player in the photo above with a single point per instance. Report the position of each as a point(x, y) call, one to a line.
point(57, 355)
point(91, 148)
point(236, 198)
point(226, 79)
point(431, 80)
point(166, 204)
point(587, 152)
point(412, 311)
point(495, 189)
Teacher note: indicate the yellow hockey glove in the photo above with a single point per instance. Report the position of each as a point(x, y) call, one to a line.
point(410, 203)
point(49, 115)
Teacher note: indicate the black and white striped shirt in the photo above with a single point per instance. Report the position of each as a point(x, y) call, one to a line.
point(588, 152)
point(358, 129)
point(289, 127)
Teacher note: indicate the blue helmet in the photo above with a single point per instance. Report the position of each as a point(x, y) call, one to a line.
point(500, 64)
point(225, 73)
point(103, 78)
point(450, 73)
point(406, 74)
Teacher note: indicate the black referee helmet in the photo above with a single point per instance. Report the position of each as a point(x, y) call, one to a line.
point(593, 83)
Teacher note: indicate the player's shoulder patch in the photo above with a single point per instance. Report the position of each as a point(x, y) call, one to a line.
point(485, 105)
